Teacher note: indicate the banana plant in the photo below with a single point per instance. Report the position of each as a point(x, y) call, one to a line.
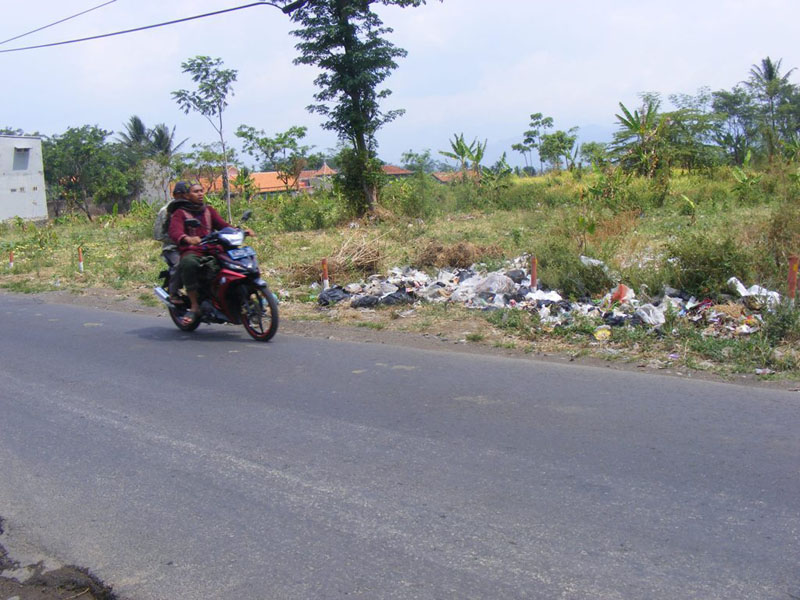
point(640, 142)
point(462, 152)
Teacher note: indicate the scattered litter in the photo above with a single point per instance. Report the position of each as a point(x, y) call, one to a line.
point(765, 372)
point(651, 315)
point(602, 333)
point(510, 288)
point(332, 295)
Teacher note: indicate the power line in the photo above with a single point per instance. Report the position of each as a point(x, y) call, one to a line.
point(105, 35)
point(57, 22)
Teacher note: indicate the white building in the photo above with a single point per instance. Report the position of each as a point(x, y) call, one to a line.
point(21, 178)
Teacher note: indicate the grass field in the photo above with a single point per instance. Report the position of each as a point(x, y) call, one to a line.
point(692, 234)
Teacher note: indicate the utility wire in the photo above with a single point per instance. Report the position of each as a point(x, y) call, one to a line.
point(57, 22)
point(105, 35)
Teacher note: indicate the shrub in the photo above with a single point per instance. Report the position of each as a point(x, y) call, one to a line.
point(702, 266)
point(416, 196)
point(303, 212)
point(562, 270)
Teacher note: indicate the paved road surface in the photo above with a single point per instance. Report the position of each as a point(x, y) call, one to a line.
point(205, 465)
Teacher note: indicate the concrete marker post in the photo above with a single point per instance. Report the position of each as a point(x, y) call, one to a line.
point(11, 260)
point(325, 283)
point(791, 290)
point(80, 259)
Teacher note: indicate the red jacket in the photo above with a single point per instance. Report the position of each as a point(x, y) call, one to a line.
point(209, 221)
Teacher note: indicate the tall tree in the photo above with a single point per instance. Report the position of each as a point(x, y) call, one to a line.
point(162, 141)
point(537, 127)
point(736, 129)
point(136, 134)
point(344, 39)
point(772, 88)
point(214, 85)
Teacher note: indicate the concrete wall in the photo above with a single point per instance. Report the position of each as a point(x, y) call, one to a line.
point(22, 192)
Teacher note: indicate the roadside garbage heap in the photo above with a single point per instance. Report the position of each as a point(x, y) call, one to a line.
point(510, 288)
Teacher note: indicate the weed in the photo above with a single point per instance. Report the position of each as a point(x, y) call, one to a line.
point(475, 337)
point(371, 325)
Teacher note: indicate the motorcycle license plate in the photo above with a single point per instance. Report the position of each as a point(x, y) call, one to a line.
point(237, 253)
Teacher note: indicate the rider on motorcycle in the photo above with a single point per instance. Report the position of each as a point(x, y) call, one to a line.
point(188, 238)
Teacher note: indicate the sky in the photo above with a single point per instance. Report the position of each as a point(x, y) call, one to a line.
point(477, 67)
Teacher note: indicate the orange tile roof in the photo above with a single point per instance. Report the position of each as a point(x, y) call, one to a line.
point(451, 176)
point(395, 171)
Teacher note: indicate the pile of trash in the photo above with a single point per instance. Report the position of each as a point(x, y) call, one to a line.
point(511, 288)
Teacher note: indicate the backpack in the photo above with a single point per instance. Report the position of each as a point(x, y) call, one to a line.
point(161, 226)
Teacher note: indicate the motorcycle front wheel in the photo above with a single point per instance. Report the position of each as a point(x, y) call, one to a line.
point(177, 314)
point(259, 313)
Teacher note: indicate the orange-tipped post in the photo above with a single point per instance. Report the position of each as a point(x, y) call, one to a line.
point(792, 283)
point(11, 260)
point(534, 273)
point(325, 282)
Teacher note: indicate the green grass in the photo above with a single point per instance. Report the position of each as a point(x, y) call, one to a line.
point(371, 325)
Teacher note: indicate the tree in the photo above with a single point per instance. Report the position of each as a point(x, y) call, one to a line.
point(214, 85)
point(282, 153)
point(526, 151)
point(343, 38)
point(80, 167)
point(136, 135)
point(203, 162)
point(162, 141)
point(736, 127)
point(557, 145)
point(640, 143)
point(419, 162)
point(773, 89)
point(594, 153)
point(691, 134)
point(533, 136)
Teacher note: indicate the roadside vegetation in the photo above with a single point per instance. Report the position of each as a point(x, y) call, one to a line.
point(684, 198)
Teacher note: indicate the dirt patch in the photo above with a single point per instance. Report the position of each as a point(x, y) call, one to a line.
point(34, 582)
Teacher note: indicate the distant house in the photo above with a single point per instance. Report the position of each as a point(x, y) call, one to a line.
point(268, 182)
point(22, 192)
point(397, 172)
point(451, 176)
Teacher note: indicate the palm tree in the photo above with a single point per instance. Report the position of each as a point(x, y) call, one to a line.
point(162, 141)
point(136, 134)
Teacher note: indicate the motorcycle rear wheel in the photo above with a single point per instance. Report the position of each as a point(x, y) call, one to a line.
point(259, 313)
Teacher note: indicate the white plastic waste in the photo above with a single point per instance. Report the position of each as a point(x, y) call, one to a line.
point(770, 298)
point(495, 283)
point(652, 315)
point(542, 295)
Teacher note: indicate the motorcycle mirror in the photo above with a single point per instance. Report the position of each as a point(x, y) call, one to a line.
point(247, 214)
point(192, 222)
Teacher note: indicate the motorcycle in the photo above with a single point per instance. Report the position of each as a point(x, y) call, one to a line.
point(236, 293)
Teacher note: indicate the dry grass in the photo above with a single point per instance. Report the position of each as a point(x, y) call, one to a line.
point(460, 254)
point(358, 254)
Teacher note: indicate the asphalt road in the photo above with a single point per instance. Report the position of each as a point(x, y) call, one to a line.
point(206, 465)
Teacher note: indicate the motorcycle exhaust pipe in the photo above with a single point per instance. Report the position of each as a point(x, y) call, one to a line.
point(162, 295)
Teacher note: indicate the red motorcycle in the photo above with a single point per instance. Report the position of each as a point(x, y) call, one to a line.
point(236, 293)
